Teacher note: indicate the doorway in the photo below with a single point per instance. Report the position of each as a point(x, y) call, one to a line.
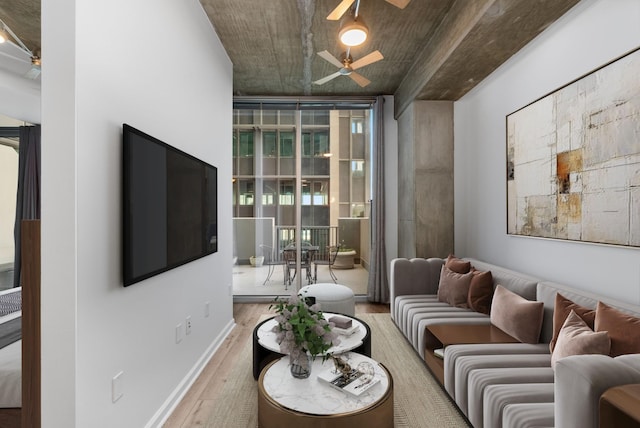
point(300, 173)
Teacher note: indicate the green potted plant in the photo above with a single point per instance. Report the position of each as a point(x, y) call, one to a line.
point(302, 333)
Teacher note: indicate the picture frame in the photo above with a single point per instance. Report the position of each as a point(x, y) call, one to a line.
point(573, 159)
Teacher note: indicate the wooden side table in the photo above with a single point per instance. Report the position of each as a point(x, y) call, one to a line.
point(620, 407)
point(458, 334)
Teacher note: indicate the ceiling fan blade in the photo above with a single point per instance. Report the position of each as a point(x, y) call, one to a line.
point(367, 59)
point(399, 3)
point(28, 60)
point(337, 13)
point(328, 57)
point(359, 79)
point(327, 78)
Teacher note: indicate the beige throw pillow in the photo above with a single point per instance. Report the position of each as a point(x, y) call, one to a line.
point(518, 317)
point(561, 310)
point(576, 338)
point(454, 287)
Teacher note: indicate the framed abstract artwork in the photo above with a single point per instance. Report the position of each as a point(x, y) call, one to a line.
point(573, 159)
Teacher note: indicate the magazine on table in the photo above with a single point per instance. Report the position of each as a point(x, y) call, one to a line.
point(355, 383)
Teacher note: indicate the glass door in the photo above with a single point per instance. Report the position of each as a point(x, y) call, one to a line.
point(300, 199)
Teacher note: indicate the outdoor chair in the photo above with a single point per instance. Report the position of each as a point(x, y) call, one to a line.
point(331, 259)
point(272, 259)
point(307, 253)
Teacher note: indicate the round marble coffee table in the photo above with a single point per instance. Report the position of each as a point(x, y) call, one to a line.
point(266, 349)
point(285, 401)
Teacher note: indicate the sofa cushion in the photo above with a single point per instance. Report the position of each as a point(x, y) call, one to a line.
point(528, 415)
point(577, 338)
point(624, 329)
point(521, 364)
point(481, 378)
point(563, 307)
point(516, 315)
point(480, 291)
point(457, 265)
point(454, 287)
point(453, 352)
point(497, 397)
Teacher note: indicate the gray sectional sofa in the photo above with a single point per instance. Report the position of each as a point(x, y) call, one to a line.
point(511, 384)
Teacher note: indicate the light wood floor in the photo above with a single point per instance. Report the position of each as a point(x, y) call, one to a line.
point(194, 409)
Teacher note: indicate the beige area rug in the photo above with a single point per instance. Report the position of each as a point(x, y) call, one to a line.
point(419, 402)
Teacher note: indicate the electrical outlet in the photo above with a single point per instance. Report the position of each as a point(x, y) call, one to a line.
point(206, 309)
point(117, 387)
point(187, 325)
point(179, 333)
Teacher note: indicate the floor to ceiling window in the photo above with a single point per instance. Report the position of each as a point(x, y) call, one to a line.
point(300, 166)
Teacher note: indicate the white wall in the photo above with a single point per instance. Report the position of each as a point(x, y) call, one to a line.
point(588, 36)
point(159, 66)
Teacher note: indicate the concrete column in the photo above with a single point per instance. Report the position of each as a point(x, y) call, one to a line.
point(425, 180)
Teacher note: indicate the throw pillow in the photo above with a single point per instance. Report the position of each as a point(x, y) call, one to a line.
point(576, 338)
point(480, 291)
point(457, 265)
point(454, 287)
point(560, 312)
point(624, 329)
point(516, 316)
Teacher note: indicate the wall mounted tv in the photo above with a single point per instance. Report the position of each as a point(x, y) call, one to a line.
point(169, 207)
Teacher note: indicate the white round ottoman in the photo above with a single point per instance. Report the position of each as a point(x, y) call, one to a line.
point(332, 297)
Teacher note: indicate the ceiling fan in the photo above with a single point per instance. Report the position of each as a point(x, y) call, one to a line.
point(337, 13)
point(347, 66)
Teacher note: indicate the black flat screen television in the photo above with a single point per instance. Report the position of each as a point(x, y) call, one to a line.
point(169, 207)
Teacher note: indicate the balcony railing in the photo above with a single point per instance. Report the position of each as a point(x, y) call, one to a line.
point(318, 236)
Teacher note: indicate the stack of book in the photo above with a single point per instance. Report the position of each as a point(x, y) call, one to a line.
point(343, 325)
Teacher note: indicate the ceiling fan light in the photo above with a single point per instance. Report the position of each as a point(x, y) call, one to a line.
point(353, 33)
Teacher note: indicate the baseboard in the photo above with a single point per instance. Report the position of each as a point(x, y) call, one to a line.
point(181, 390)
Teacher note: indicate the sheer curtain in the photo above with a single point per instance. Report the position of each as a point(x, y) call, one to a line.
point(28, 195)
point(378, 286)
